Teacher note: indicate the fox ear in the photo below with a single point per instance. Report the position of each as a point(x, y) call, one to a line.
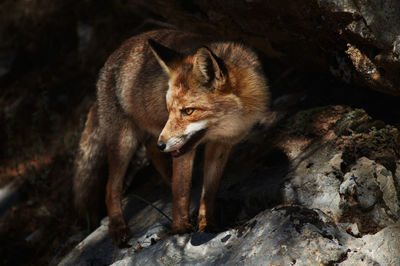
point(206, 66)
point(164, 55)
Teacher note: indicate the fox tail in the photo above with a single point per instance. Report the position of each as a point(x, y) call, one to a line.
point(90, 172)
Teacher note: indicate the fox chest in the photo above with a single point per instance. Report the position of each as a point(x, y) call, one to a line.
point(148, 110)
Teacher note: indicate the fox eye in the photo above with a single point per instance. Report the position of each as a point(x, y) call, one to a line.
point(188, 111)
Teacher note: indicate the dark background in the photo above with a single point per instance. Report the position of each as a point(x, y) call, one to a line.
point(50, 55)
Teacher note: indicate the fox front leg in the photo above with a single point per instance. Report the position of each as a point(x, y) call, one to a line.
point(216, 156)
point(181, 185)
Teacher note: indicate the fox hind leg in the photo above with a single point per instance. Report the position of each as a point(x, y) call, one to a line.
point(216, 156)
point(120, 149)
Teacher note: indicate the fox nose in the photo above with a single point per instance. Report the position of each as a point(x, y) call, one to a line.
point(161, 145)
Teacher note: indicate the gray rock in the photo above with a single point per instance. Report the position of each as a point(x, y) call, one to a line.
point(97, 248)
point(369, 188)
point(350, 228)
point(8, 197)
point(284, 236)
point(325, 216)
point(316, 185)
point(379, 249)
point(387, 187)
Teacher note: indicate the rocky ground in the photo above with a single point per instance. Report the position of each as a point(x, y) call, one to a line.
point(317, 182)
point(313, 186)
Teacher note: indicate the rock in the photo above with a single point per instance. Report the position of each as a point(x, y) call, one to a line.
point(279, 236)
point(9, 195)
point(356, 41)
point(282, 236)
point(287, 236)
point(316, 185)
point(396, 176)
point(301, 202)
point(379, 249)
point(362, 136)
point(84, 253)
point(387, 187)
point(350, 228)
point(369, 190)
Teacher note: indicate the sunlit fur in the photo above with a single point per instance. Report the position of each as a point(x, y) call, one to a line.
point(227, 109)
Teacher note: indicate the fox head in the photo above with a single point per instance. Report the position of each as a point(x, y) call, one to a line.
point(202, 100)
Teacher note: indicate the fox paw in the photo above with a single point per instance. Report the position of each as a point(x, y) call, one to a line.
point(119, 232)
point(207, 226)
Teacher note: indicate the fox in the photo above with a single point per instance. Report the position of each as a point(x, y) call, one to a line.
point(170, 91)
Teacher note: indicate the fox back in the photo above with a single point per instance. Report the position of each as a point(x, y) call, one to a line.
point(232, 92)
